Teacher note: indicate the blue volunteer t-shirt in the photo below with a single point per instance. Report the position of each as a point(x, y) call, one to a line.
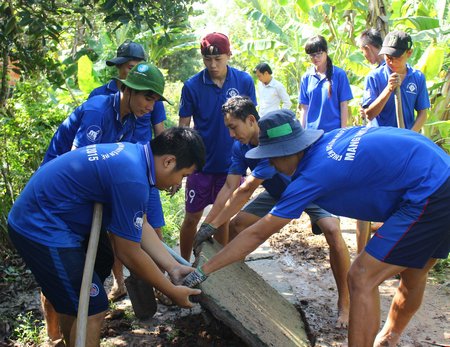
point(97, 120)
point(55, 207)
point(143, 131)
point(202, 99)
point(413, 90)
point(324, 112)
point(274, 182)
point(365, 173)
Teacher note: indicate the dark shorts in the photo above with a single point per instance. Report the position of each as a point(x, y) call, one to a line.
point(415, 232)
point(264, 202)
point(202, 190)
point(155, 215)
point(59, 272)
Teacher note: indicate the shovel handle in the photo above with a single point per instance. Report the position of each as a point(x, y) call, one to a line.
point(399, 108)
point(83, 304)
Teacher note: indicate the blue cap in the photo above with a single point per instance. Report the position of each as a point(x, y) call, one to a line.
point(127, 51)
point(281, 134)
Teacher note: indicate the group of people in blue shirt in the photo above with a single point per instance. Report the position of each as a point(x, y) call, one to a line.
point(101, 153)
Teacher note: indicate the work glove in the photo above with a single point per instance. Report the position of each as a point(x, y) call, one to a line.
point(194, 278)
point(203, 234)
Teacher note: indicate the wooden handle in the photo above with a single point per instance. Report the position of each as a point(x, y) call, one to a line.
point(83, 304)
point(399, 108)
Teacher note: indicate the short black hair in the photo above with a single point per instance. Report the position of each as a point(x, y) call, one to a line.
point(184, 143)
point(263, 67)
point(371, 37)
point(240, 107)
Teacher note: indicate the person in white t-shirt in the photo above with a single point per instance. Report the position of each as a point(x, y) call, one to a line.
point(271, 93)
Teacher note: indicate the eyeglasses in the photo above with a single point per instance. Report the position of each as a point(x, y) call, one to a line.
point(315, 55)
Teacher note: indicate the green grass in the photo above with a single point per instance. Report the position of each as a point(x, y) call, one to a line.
point(28, 330)
point(173, 214)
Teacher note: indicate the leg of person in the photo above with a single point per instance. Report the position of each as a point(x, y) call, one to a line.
point(222, 236)
point(340, 264)
point(51, 319)
point(253, 211)
point(187, 233)
point(365, 275)
point(363, 229)
point(59, 272)
point(93, 329)
point(407, 243)
point(103, 264)
point(405, 304)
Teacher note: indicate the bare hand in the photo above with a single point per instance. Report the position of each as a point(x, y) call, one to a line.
point(179, 272)
point(181, 296)
point(394, 81)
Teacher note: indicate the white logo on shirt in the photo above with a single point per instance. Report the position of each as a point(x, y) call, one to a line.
point(232, 92)
point(93, 292)
point(138, 220)
point(411, 88)
point(93, 133)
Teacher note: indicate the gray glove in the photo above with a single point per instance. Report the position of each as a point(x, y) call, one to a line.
point(205, 232)
point(194, 278)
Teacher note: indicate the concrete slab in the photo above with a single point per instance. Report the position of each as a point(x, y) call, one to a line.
point(246, 303)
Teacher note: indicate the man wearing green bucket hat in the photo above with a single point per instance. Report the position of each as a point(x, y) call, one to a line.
point(110, 118)
point(107, 119)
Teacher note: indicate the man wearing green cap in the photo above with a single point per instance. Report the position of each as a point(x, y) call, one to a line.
point(110, 118)
point(106, 119)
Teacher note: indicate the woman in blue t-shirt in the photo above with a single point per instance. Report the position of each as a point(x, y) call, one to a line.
point(324, 90)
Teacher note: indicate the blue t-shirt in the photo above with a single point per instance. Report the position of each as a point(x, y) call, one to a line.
point(202, 99)
point(413, 90)
point(365, 173)
point(97, 120)
point(324, 112)
point(274, 182)
point(143, 131)
point(55, 207)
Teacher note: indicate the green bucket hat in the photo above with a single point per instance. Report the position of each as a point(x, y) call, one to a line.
point(146, 76)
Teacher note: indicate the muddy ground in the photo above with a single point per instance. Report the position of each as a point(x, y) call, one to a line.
point(303, 258)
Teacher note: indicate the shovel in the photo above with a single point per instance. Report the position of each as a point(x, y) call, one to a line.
point(399, 108)
point(141, 293)
point(83, 304)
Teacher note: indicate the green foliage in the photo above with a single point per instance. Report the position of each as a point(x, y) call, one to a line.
point(173, 208)
point(28, 330)
point(26, 126)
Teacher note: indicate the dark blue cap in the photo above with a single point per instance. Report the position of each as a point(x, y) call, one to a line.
point(281, 134)
point(127, 51)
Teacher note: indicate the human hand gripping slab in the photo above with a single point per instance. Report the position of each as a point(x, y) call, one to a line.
point(203, 234)
point(194, 278)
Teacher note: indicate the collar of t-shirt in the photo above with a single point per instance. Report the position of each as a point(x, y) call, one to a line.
point(207, 79)
point(111, 86)
point(150, 166)
point(116, 106)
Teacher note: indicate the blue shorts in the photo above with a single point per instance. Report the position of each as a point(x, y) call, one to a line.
point(415, 232)
point(202, 190)
point(264, 202)
point(59, 272)
point(155, 215)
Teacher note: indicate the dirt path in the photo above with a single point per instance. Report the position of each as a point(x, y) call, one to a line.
point(305, 257)
point(302, 259)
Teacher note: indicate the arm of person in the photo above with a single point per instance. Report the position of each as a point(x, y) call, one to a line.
point(420, 120)
point(302, 112)
point(237, 200)
point(231, 184)
point(158, 128)
point(184, 121)
point(245, 243)
point(139, 262)
point(375, 108)
point(344, 113)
